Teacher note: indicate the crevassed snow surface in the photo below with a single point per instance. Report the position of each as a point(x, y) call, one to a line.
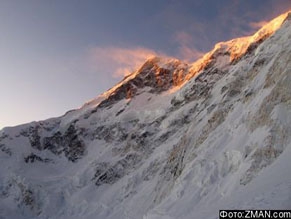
point(221, 140)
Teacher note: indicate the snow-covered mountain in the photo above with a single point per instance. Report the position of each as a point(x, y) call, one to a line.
point(171, 140)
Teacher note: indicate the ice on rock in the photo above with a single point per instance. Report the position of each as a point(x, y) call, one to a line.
point(171, 140)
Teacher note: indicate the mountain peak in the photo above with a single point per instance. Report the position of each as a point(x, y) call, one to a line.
point(234, 49)
point(272, 26)
point(162, 73)
point(157, 74)
point(175, 140)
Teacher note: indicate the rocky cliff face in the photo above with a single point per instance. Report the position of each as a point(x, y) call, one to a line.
point(172, 140)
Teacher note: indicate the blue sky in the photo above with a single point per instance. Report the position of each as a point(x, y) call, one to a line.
point(57, 54)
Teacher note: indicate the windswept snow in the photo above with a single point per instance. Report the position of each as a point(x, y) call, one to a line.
point(172, 140)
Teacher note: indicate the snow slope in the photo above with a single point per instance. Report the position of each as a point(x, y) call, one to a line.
point(172, 140)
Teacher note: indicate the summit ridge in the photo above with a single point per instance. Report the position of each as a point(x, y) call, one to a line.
point(171, 140)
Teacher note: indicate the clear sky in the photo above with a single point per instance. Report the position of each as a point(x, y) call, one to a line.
point(57, 54)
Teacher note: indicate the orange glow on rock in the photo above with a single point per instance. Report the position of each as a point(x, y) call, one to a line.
point(221, 56)
point(236, 48)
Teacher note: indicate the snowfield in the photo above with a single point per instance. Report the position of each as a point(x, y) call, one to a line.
point(172, 140)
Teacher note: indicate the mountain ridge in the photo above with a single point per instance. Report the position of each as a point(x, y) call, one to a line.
point(172, 140)
point(234, 48)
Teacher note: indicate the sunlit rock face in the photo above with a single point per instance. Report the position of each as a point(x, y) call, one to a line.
point(171, 140)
